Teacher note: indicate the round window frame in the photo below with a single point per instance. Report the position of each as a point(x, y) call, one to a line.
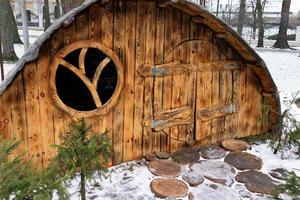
point(103, 109)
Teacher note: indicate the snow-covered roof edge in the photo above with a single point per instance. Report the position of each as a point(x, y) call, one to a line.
point(33, 52)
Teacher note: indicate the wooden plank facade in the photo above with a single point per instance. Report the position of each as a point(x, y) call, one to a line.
point(179, 82)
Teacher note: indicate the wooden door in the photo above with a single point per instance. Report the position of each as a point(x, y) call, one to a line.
point(172, 120)
point(217, 103)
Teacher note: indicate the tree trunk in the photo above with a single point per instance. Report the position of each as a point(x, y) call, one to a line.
point(68, 5)
point(282, 41)
point(261, 30)
point(242, 13)
point(218, 5)
point(9, 31)
point(82, 186)
point(46, 14)
point(22, 5)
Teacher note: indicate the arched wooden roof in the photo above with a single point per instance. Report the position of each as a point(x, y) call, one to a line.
point(199, 15)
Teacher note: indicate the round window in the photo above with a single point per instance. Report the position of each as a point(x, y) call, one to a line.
point(86, 79)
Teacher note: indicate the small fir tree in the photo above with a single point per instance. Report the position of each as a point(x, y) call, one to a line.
point(19, 181)
point(83, 152)
point(291, 187)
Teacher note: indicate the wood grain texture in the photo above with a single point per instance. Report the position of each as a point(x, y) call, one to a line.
point(173, 62)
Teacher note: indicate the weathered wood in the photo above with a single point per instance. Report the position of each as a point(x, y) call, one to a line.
point(140, 52)
point(118, 112)
point(158, 81)
point(148, 143)
point(174, 68)
point(130, 31)
point(169, 118)
point(176, 61)
point(218, 111)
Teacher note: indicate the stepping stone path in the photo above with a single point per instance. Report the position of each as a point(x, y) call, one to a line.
point(163, 155)
point(278, 173)
point(256, 181)
point(213, 192)
point(150, 156)
point(235, 145)
point(163, 188)
point(192, 178)
point(186, 156)
point(165, 168)
point(216, 171)
point(212, 152)
point(243, 160)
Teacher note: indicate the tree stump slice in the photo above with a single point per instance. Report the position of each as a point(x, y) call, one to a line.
point(150, 157)
point(165, 168)
point(256, 181)
point(278, 173)
point(216, 171)
point(243, 161)
point(192, 178)
point(186, 156)
point(235, 145)
point(163, 155)
point(212, 152)
point(173, 188)
point(213, 192)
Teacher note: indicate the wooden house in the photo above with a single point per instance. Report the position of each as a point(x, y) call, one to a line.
point(157, 74)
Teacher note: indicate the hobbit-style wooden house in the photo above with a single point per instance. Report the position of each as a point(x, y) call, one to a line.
point(156, 74)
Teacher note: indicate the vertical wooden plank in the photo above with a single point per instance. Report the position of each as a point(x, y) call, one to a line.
point(107, 26)
point(216, 127)
point(33, 120)
point(58, 40)
point(139, 81)
point(129, 78)
point(204, 88)
point(241, 102)
point(158, 81)
point(5, 113)
point(118, 112)
point(177, 82)
point(167, 81)
point(186, 86)
point(149, 144)
point(46, 114)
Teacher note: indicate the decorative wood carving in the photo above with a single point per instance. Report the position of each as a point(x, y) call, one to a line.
point(174, 117)
point(218, 111)
point(80, 73)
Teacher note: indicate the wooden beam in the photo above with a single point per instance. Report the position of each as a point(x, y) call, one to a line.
point(166, 69)
point(174, 68)
point(217, 111)
point(220, 65)
point(174, 117)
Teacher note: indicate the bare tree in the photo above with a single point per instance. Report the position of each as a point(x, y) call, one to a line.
point(241, 19)
point(22, 6)
point(218, 5)
point(9, 31)
point(254, 18)
point(46, 14)
point(281, 41)
point(260, 23)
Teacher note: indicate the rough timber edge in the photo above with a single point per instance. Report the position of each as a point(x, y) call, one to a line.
point(191, 8)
